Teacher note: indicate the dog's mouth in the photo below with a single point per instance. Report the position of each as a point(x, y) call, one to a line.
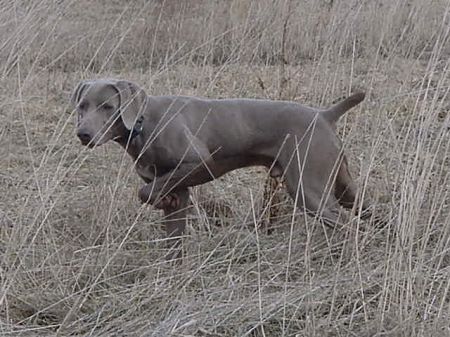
point(86, 139)
point(94, 142)
point(88, 143)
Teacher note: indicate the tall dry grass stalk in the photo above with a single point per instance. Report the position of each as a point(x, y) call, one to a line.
point(80, 257)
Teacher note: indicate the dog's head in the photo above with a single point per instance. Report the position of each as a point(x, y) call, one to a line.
point(107, 109)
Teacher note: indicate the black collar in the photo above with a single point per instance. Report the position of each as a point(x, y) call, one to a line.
point(137, 128)
point(133, 133)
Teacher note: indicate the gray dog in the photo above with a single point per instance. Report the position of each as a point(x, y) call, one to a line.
point(178, 142)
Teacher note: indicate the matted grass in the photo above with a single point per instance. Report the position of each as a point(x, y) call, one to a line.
point(80, 256)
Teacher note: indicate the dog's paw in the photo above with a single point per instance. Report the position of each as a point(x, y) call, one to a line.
point(146, 193)
point(150, 195)
point(169, 202)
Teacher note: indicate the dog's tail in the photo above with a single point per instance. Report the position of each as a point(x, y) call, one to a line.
point(336, 111)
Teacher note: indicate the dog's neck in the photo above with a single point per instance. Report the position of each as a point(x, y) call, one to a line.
point(133, 144)
point(137, 141)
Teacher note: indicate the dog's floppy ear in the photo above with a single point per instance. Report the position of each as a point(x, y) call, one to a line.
point(132, 102)
point(76, 94)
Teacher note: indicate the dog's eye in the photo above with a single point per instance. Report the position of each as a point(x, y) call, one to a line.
point(108, 107)
point(82, 106)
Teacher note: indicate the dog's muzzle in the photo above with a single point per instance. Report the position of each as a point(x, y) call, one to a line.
point(84, 137)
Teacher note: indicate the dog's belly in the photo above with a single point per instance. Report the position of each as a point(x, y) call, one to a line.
point(224, 165)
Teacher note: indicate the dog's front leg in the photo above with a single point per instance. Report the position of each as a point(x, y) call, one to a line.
point(170, 193)
point(175, 223)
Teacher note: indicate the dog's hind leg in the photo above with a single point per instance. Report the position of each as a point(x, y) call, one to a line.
point(313, 202)
point(310, 189)
point(346, 192)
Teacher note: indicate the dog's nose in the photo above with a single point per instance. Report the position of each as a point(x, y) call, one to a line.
point(84, 136)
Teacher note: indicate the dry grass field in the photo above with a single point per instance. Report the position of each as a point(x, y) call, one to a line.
point(80, 256)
